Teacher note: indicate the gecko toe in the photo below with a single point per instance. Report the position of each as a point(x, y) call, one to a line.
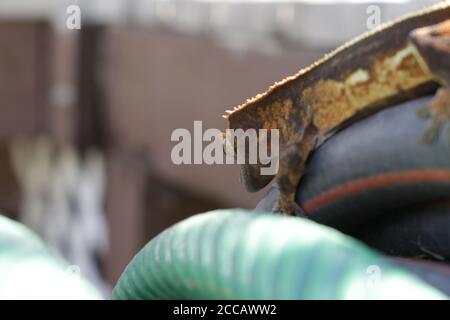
point(431, 133)
point(289, 208)
point(439, 113)
point(423, 112)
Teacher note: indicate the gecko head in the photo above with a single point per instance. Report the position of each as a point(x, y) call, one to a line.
point(433, 44)
point(253, 139)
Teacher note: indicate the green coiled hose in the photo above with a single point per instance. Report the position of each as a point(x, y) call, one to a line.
point(238, 254)
point(29, 270)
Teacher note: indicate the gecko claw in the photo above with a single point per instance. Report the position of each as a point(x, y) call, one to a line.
point(289, 208)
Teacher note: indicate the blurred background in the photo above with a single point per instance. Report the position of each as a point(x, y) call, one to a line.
point(86, 114)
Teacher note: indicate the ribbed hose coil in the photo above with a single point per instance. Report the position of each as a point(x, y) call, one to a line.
point(239, 254)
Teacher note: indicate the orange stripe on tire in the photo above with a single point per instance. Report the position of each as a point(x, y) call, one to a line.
point(376, 182)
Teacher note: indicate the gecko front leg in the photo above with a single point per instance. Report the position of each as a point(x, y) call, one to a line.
point(291, 169)
point(438, 112)
point(433, 44)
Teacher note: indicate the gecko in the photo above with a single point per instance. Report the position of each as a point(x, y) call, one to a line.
point(395, 62)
